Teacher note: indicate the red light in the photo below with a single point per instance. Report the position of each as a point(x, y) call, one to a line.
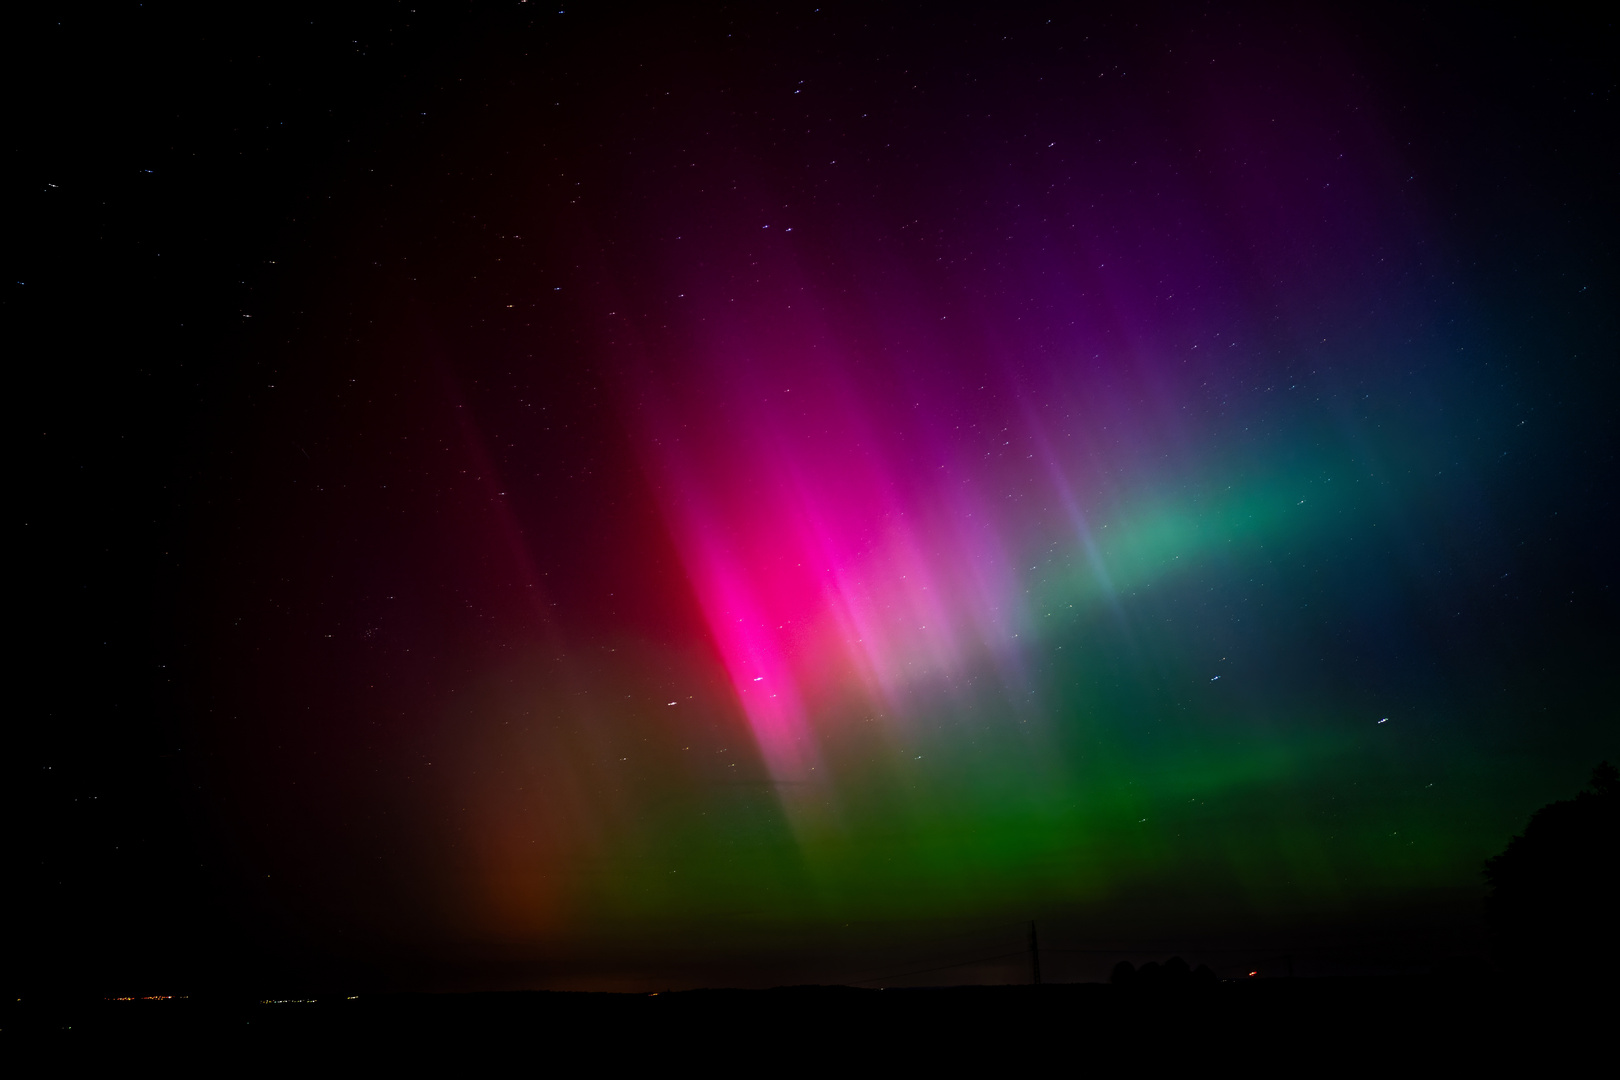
point(1252, 974)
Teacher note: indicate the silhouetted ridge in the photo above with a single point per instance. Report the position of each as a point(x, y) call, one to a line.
point(1174, 972)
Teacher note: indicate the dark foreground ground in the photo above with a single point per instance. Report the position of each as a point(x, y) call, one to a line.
point(1263, 1025)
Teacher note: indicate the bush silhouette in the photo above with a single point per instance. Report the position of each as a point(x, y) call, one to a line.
point(1555, 890)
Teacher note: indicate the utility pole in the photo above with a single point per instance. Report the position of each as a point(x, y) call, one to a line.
point(1034, 954)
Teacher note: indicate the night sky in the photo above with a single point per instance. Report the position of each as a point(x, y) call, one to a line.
point(607, 498)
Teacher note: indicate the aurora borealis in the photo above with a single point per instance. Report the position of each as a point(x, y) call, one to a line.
point(706, 496)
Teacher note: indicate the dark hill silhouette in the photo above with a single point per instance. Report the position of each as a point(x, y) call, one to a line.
point(1173, 973)
point(1555, 890)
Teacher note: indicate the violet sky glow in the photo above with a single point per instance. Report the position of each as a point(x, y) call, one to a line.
point(753, 492)
point(885, 483)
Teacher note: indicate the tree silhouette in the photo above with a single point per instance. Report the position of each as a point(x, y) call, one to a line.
point(1555, 891)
